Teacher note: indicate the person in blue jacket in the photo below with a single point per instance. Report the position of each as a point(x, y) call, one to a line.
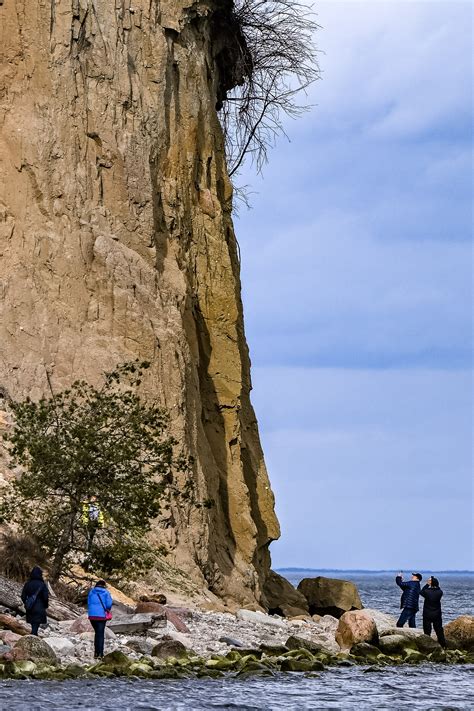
point(409, 600)
point(99, 604)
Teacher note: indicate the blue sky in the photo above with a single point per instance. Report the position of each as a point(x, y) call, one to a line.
point(357, 286)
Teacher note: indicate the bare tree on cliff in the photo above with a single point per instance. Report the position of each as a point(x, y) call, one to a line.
point(98, 463)
point(277, 63)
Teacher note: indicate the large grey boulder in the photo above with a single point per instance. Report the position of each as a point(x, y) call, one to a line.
point(133, 624)
point(34, 649)
point(423, 642)
point(61, 645)
point(169, 648)
point(330, 596)
point(318, 643)
point(396, 643)
point(141, 645)
point(282, 598)
point(411, 632)
point(383, 621)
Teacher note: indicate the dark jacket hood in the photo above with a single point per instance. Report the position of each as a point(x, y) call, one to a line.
point(36, 573)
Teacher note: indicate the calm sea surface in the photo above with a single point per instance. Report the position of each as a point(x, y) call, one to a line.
point(380, 591)
point(427, 687)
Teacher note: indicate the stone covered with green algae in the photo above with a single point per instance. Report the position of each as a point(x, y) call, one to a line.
point(302, 660)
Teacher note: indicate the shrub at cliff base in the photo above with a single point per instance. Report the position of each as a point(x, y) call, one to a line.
point(97, 463)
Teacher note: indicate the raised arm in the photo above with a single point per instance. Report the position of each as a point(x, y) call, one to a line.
point(400, 583)
point(423, 590)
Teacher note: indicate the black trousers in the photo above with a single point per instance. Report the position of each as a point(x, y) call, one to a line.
point(99, 629)
point(35, 628)
point(438, 628)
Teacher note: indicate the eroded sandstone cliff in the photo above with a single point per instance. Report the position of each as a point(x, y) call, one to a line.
point(116, 241)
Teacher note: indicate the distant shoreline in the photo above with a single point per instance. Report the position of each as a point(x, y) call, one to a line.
point(364, 570)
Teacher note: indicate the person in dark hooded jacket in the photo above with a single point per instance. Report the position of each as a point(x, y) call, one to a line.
point(35, 597)
point(409, 600)
point(432, 595)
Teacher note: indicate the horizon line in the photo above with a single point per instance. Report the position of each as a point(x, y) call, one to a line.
point(367, 570)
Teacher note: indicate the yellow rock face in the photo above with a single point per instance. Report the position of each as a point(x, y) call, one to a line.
point(116, 241)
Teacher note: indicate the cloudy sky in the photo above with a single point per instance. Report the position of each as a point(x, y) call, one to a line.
point(356, 269)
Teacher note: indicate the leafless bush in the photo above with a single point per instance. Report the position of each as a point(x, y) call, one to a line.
point(19, 554)
point(277, 64)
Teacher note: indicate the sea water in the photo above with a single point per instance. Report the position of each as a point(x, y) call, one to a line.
point(427, 687)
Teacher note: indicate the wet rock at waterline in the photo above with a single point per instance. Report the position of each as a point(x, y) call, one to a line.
point(354, 627)
point(460, 633)
point(33, 649)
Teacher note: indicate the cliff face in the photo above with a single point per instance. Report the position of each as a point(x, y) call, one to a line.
point(116, 241)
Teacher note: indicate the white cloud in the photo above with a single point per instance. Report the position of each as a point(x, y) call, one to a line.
point(356, 255)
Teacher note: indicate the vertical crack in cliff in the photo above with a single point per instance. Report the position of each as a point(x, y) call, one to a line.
point(120, 245)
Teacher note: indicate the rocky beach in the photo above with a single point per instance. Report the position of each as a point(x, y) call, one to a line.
point(158, 640)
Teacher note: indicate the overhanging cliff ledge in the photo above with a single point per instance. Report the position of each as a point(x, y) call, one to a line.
point(117, 242)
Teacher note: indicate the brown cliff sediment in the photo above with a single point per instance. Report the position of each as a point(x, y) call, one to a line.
point(116, 241)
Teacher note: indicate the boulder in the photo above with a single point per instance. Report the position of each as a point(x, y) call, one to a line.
point(134, 624)
point(231, 642)
point(116, 659)
point(396, 644)
point(426, 644)
point(184, 612)
point(172, 634)
point(460, 633)
point(61, 645)
point(176, 621)
point(169, 648)
point(150, 607)
point(259, 618)
point(34, 649)
point(355, 627)
point(273, 650)
point(364, 650)
point(154, 597)
point(383, 621)
point(295, 642)
point(282, 598)
point(141, 645)
point(8, 622)
point(411, 632)
point(4, 649)
point(81, 624)
point(330, 596)
point(327, 641)
point(9, 637)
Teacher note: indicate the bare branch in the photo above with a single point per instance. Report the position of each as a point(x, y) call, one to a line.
point(277, 64)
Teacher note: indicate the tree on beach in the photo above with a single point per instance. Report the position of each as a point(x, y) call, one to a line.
point(277, 64)
point(97, 466)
